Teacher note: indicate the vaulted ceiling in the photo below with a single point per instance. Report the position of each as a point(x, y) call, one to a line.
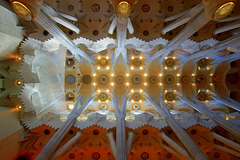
point(163, 76)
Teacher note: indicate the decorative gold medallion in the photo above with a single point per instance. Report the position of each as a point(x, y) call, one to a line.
point(123, 10)
point(224, 10)
point(22, 10)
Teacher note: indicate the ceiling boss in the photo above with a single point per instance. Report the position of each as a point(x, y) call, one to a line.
point(123, 9)
point(217, 9)
point(26, 9)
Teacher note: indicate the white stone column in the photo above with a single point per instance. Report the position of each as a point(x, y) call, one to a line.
point(228, 27)
point(179, 149)
point(68, 144)
point(227, 19)
point(171, 150)
point(112, 143)
point(121, 39)
point(122, 25)
point(230, 42)
point(192, 26)
point(227, 103)
point(234, 130)
point(55, 31)
point(190, 145)
point(228, 59)
point(129, 141)
point(232, 101)
point(121, 130)
point(228, 150)
point(184, 17)
point(54, 142)
point(226, 141)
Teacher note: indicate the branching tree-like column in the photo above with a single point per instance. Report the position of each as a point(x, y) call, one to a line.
point(112, 143)
point(227, 19)
point(55, 31)
point(230, 42)
point(121, 130)
point(226, 141)
point(121, 39)
point(190, 145)
point(68, 144)
point(192, 26)
point(179, 149)
point(122, 25)
point(129, 141)
point(232, 101)
point(228, 27)
point(227, 103)
point(234, 130)
point(122, 22)
point(183, 17)
point(228, 59)
point(54, 142)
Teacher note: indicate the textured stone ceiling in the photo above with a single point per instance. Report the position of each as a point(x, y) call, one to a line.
point(105, 78)
point(180, 67)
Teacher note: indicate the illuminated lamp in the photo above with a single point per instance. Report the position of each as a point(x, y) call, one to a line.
point(19, 107)
point(70, 106)
point(19, 58)
point(18, 83)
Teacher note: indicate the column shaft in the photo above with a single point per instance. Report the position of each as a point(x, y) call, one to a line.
point(190, 145)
